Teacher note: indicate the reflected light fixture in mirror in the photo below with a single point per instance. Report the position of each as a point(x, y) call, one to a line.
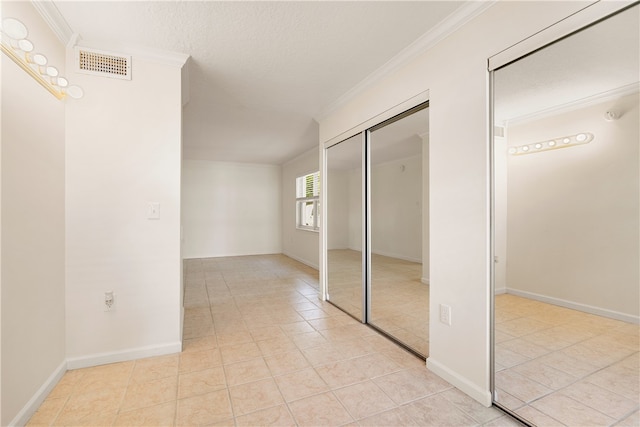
point(552, 144)
point(16, 46)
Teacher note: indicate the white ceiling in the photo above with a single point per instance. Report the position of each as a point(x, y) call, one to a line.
point(596, 63)
point(261, 71)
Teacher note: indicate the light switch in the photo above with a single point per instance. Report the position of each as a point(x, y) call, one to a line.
point(153, 210)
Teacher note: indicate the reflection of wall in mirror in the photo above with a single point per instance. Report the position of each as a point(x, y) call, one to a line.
point(338, 209)
point(573, 214)
point(396, 209)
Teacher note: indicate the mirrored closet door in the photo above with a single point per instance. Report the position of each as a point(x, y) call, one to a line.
point(345, 226)
point(377, 202)
point(399, 300)
point(567, 221)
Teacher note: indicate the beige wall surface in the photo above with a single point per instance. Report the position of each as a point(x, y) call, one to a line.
point(231, 209)
point(33, 226)
point(301, 245)
point(123, 152)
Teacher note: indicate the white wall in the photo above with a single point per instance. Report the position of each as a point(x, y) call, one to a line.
point(455, 74)
point(123, 151)
point(573, 222)
point(396, 209)
point(231, 209)
point(301, 245)
point(32, 213)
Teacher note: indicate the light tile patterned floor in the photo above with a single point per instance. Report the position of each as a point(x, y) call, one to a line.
point(557, 366)
point(261, 349)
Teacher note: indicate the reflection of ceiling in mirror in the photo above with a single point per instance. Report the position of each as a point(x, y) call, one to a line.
point(345, 155)
point(601, 59)
point(398, 140)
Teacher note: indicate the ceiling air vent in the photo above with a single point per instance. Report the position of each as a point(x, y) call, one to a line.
point(104, 64)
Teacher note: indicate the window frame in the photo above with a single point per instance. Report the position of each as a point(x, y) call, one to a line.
point(302, 199)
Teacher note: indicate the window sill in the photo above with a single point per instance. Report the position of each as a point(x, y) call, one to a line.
point(308, 229)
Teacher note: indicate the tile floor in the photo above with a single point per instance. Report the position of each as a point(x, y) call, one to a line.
point(261, 349)
point(556, 366)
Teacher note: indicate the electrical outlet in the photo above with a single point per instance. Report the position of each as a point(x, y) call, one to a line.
point(109, 301)
point(445, 314)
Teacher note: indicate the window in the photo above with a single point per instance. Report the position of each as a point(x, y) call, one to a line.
point(307, 201)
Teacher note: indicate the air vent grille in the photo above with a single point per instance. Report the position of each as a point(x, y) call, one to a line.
point(104, 64)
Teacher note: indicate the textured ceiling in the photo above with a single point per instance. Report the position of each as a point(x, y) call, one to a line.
point(596, 61)
point(261, 71)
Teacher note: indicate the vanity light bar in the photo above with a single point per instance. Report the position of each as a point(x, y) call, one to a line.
point(19, 49)
point(552, 144)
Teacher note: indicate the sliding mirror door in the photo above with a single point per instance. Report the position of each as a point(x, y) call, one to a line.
point(566, 209)
point(344, 224)
point(399, 300)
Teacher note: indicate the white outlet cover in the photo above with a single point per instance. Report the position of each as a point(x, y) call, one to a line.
point(445, 314)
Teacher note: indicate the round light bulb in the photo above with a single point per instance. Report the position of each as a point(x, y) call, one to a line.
point(25, 45)
point(566, 140)
point(525, 148)
point(538, 146)
point(581, 137)
point(513, 150)
point(52, 71)
point(62, 82)
point(14, 29)
point(75, 92)
point(39, 59)
point(551, 143)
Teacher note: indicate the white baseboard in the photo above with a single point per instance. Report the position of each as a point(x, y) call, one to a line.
point(34, 403)
point(425, 280)
point(630, 318)
point(482, 396)
point(304, 261)
point(124, 355)
point(500, 291)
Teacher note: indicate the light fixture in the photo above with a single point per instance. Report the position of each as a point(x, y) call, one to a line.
point(552, 144)
point(16, 46)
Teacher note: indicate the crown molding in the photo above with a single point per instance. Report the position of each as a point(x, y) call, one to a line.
point(54, 19)
point(443, 29)
point(63, 31)
point(598, 98)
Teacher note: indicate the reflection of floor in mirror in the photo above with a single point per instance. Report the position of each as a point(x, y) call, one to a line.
point(345, 280)
point(399, 300)
point(557, 365)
